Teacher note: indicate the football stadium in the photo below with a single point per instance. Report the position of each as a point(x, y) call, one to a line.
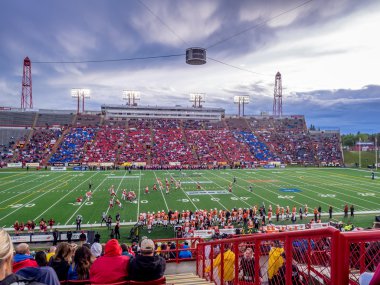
point(143, 188)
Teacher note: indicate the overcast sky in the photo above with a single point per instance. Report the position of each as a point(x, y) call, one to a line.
point(326, 50)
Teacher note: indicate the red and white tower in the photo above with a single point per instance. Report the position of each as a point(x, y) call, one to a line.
point(26, 95)
point(277, 98)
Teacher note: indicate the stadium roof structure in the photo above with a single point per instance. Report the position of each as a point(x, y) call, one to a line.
point(162, 112)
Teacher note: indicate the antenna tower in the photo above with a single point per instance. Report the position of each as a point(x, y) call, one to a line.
point(26, 95)
point(277, 98)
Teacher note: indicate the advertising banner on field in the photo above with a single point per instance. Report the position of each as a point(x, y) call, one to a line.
point(58, 164)
point(204, 233)
point(41, 237)
point(174, 163)
point(32, 164)
point(268, 166)
point(13, 165)
point(58, 168)
point(106, 164)
point(74, 237)
point(19, 239)
point(74, 163)
point(139, 163)
point(319, 225)
point(228, 231)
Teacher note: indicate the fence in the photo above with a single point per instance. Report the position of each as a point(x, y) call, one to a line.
point(319, 256)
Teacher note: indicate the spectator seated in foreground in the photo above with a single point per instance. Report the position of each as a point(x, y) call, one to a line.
point(147, 266)
point(6, 253)
point(44, 274)
point(111, 267)
point(185, 253)
point(23, 258)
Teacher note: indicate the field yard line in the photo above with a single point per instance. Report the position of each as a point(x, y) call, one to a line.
point(308, 197)
point(84, 202)
point(121, 181)
point(64, 195)
point(354, 197)
point(17, 174)
point(243, 189)
point(138, 199)
point(39, 185)
point(364, 181)
point(322, 188)
point(190, 199)
point(212, 195)
point(44, 193)
point(162, 190)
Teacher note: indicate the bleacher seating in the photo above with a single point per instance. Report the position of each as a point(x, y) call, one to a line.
point(17, 119)
point(53, 119)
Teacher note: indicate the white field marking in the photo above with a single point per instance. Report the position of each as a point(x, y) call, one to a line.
point(138, 199)
point(298, 193)
point(12, 181)
point(162, 192)
point(64, 196)
point(343, 193)
point(83, 203)
point(322, 188)
point(19, 193)
point(117, 189)
point(211, 195)
point(191, 200)
point(241, 188)
point(43, 193)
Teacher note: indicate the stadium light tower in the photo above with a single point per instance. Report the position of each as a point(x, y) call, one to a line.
point(197, 99)
point(277, 97)
point(80, 93)
point(131, 96)
point(26, 93)
point(241, 101)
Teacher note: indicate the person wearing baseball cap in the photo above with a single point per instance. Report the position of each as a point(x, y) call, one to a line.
point(147, 266)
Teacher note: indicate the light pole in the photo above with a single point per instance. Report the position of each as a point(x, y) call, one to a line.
point(131, 96)
point(241, 100)
point(80, 93)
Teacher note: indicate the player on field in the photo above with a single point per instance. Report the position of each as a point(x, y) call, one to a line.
point(250, 188)
point(230, 188)
point(124, 195)
point(234, 180)
point(89, 186)
point(104, 218)
point(79, 199)
point(154, 187)
point(198, 186)
point(113, 192)
point(131, 196)
point(372, 175)
point(118, 203)
point(111, 203)
point(88, 195)
point(146, 190)
point(167, 189)
point(112, 188)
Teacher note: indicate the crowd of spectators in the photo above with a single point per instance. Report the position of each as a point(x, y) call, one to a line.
point(100, 264)
point(164, 142)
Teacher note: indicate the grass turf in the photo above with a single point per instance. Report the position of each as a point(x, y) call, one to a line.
point(32, 195)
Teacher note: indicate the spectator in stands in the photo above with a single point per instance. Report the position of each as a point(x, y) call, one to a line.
point(247, 267)
point(6, 253)
point(172, 253)
point(164, 253)
point(111, 267)
point(185, 253)
point(51, 253)
point(147, 266)
point(23, 258)
point(279, 277)
point(44, 274)
point(228, 263)
point(61, 261)
point(275, 260)
point(126, 250)
point(80, 267)
point(96, 249)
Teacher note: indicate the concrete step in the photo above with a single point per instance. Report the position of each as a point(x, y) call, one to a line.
point(185, 279)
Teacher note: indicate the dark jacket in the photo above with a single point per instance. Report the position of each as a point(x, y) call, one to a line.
point(60, 267)
point(146, 268)
point(44, 274)
point(15, 279)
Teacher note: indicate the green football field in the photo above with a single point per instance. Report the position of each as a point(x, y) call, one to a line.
point(32, 195)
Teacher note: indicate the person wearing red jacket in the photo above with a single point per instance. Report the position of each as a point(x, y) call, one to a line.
point(23, 258)
point(112, 267)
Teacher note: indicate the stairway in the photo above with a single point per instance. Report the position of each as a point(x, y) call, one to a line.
point(185, 279)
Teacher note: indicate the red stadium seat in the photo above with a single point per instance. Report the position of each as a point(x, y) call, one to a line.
point(162, 280)
point(77, 282)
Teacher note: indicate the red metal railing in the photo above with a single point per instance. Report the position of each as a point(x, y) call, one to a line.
point(173, 254)
point(319, 256)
